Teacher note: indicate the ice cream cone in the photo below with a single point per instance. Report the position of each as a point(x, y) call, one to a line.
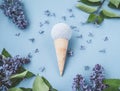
point(61, 49)
point(61, 33)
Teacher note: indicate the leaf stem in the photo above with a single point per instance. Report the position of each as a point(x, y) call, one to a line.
point(98, 9)
point(97, 12)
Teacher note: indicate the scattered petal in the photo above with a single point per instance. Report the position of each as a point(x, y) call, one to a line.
point(32, 40)
point(86, 68)
point(71, 16)
point(102, 51)
point(47, 22)
point(36, 50)
point(90, 34)
point(41, 24)
point(42, 69)
point(80, 36)
point(41, 32)
point(89, 41)
point(47, 13)
point(82, 47)
point(17, 34)
point(54, 14)
point(73, 27)
point(29, 55)
point(70, 52)
point(106, 38)
point(70, 10)
point(76, 30)
point(83, 23)
point(64, 18)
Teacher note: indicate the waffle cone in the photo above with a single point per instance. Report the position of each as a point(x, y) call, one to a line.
point(61, 49)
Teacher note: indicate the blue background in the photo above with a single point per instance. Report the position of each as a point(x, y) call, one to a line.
point(46, 56)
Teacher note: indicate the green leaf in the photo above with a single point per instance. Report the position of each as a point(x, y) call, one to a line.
point(113, 6)
point(25, 74)
point(40, 85)
point(26, 89)
point(17, 78)
point(20, 89)
point(46, 82)
point(93, 18)
point(15, 89)
point(21, 69)
point(6, 53)
point(86, 8)
point(53, 89)
point(91, 3)
point(116, 3)
point(109, 14)
point(100, 19)
point(94, 0)
point(114, 84)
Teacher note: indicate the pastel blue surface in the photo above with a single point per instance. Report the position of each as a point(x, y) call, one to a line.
point(46, 56)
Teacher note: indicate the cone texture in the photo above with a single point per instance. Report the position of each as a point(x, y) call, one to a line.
point(61, 49)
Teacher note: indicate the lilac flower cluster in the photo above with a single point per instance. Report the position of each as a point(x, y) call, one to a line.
point(79, 84)
point(14, 9)
point(8, 67)
point(96, 81)
point(3, 88)
point(97, 78)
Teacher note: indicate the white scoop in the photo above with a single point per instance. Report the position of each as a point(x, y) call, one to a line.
point(61, 33)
